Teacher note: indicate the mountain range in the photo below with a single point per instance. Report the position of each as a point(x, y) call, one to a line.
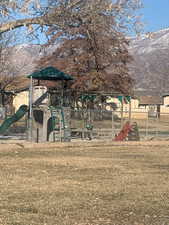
point(149, 69)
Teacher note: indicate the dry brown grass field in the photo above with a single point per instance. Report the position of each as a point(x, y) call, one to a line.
point(118, 185)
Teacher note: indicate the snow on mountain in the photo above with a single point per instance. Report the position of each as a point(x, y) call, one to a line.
point(150, 67)
point(24, 57)
point(151, 41)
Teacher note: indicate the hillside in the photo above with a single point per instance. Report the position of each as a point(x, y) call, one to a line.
point(24, 57)
point(149, 69)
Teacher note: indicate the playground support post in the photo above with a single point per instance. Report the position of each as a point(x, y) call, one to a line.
point(30, 110)
point(62, 93)
point(60, 126)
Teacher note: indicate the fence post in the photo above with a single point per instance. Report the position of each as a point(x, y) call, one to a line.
point(157, 120)
point(130, 110)
point(113, 126)
point(147, 126)
point(122, 107)
point(83, 119)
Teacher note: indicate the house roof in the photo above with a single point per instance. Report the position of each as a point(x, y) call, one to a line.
point(150, 100)
point(146, 92)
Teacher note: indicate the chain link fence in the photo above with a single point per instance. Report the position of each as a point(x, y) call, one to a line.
point(90, 124)
point(152, 126)
point(106, 124)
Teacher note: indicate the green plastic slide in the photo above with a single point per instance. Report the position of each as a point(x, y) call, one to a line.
point(23, 109)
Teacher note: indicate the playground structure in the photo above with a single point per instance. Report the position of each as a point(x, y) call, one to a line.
point(47, 121)
point(50, 116)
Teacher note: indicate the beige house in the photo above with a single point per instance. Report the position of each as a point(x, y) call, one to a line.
point(165, 107)
point(22, 98)
point(141, 106)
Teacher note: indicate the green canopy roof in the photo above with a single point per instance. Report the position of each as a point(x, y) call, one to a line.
point(50, 73)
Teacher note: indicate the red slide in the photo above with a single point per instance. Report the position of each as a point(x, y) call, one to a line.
point(124, 132)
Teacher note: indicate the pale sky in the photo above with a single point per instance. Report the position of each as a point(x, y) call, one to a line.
point(155, 14)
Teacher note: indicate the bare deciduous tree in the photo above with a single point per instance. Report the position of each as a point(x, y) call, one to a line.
point(58, 13)
point(9, 72)
point(93, 46)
